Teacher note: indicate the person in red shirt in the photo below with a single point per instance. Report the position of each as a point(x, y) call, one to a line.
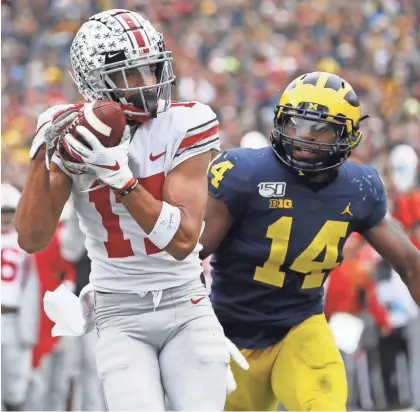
point(404, 173)
point(403, 170)
point(52, 270)
point(407, 211)
point(349, 279)
point(352, 290)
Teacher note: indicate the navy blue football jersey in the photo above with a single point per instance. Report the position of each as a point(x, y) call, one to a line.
point(268, 272)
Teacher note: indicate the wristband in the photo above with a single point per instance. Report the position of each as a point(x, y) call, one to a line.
point(129, 187)
point(166, 225)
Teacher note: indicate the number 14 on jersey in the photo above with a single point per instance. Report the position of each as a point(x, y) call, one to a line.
point(307, 263)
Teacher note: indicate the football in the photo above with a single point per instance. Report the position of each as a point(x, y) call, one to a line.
point(104, 118)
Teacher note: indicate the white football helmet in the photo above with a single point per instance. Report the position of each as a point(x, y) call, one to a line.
point(118, 41)
point(403, 163)
point(9, 201)
point(9, 197)
point(254, 140)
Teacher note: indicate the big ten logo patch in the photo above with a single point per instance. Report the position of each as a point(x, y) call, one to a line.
point(281, 204)
point(275, 192)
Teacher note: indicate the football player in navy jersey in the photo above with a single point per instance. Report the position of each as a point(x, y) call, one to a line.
point(277, 220)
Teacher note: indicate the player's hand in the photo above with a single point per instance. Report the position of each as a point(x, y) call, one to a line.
point(57, 129)
point(109, 164)
point(236, 355)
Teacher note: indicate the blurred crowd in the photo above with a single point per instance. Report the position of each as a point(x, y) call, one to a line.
point(237, 56)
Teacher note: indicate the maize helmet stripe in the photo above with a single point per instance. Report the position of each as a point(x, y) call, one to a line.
point(322, 87)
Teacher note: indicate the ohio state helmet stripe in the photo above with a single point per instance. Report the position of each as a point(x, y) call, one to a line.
point(123, 24)
point(135, 29)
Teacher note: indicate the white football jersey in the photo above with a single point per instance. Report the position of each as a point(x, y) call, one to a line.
point(16, 267)
point(123, 258)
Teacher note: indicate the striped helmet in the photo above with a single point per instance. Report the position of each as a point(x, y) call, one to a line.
point(117, 42)
point(317, 123)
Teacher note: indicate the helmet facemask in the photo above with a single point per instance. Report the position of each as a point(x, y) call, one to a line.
point(310, 140)
point(147, 99)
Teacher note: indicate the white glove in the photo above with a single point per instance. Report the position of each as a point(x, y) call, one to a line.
point(109, 164)
point(58, 128)
point(236, 355)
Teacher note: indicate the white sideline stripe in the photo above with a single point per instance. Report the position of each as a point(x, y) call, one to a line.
point(96, 123)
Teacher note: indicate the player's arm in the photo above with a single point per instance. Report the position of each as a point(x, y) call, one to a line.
point(218, 222)
point(47, 188)
point(393, 244)
point(183, 205)
point(225, 187)
point(41, 204)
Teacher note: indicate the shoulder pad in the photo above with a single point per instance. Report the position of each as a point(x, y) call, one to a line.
point(229, 177)
point(371, 190)
point(197, 130)
point(367, 180)
point(192, 116)
point(231, 165)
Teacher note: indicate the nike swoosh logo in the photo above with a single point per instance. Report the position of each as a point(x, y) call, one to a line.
point(113, 55)
point(153, 158)
point(195, 301)
point(113, 167)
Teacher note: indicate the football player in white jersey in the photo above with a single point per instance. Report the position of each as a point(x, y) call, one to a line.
point(16, 268)
point(157, 330)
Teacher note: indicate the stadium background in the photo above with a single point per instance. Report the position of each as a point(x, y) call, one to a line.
point(236, 55)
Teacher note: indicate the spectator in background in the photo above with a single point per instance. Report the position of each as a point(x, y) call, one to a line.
point(254, 140)
point(64, 367)
point(50, 378)
point(403, 167)
point(351, 290)
point(398, 361)
point(18, 307)
point(350, 282)
point(234, 55)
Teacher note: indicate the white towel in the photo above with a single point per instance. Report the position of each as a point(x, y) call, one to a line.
point(72, 316)
point(347, 330)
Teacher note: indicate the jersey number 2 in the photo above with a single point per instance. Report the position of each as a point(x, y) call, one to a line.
point(326, 240)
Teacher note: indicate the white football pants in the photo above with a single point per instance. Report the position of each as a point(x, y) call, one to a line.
point(177, 350)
